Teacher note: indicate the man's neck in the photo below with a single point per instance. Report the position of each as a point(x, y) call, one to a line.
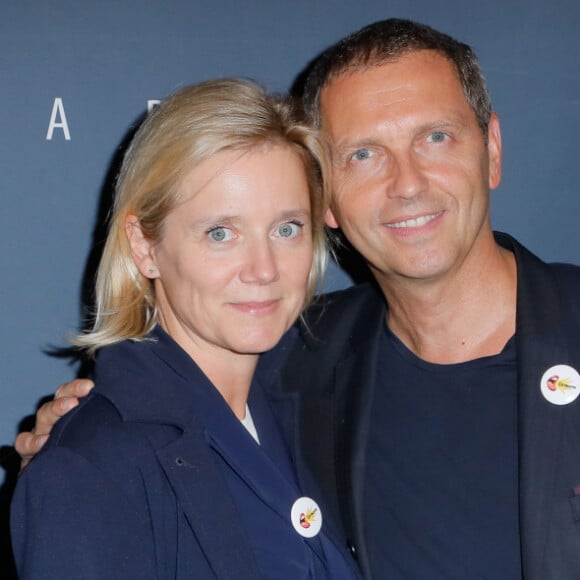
point(464, 315)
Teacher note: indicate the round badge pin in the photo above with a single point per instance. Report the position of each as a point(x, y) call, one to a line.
point(306, 517)
point(560, 385)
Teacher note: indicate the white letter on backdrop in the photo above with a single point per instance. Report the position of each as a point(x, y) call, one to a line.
point(58, 112)
point(151, 104)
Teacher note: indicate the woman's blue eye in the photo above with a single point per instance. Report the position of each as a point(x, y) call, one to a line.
point(220, 234)
point(288, 230)
point(361, 154)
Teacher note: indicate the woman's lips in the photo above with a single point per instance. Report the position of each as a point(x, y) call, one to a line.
point(259, 307)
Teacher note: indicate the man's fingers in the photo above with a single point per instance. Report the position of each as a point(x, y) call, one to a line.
point(76, 388)
point(49, 413)
point(66, 397)
point(27, 445)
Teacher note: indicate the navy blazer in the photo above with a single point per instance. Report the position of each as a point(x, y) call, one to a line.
point(330, 375)
point(130, 485)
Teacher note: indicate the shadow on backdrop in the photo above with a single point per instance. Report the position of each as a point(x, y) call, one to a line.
point(9, 459)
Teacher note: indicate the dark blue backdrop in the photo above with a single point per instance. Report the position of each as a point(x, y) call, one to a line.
point(106, 59)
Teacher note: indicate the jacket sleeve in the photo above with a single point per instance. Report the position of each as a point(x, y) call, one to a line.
point(71, 520)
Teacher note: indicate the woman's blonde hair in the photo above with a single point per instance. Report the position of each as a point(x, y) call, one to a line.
point(187, 128)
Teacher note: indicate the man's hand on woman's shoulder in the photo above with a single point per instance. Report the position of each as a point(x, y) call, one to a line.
point(66, 397)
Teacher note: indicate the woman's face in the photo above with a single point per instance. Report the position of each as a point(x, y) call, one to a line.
point(232, 265)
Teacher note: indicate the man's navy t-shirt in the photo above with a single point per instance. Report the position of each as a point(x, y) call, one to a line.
point(441, 488)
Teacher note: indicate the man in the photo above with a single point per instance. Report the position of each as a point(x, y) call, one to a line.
point(423, 402)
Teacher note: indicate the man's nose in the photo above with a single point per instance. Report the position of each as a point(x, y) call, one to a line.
point(408, 176)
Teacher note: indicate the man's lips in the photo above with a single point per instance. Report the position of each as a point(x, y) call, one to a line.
point(415, 222)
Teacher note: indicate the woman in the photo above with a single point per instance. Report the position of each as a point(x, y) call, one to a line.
point(175, 467)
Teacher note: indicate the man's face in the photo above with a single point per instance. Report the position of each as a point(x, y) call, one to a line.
point(411, 172)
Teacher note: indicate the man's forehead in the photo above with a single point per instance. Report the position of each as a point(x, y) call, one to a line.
point(414, 73)
point(427, 56)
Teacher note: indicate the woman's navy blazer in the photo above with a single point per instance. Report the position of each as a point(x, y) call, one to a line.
point(129, 485)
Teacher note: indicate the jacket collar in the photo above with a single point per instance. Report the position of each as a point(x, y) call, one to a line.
point(364, 313)
point(153, 381)
point(156, 382)
point(541, 342)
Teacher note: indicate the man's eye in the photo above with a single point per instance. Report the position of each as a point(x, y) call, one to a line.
point(289, 229)
point(361, 154)
point(437, 137)
point(220, 234)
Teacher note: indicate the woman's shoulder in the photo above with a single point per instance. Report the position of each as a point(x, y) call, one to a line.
point(83, 491)
point(94, 420)
point(94, 435)
point(92, 448)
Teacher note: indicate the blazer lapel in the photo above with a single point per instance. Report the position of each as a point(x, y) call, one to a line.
point(540, 422)
point(286, 408)
point(308, 425)
point(254, 467)
point(267, 469)
point(207, 504)
point(355, 382)
point(540, 430)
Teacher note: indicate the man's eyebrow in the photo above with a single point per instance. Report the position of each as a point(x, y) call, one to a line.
point(442, 124)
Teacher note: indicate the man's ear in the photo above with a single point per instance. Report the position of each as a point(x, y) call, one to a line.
point(494, 151)
point(330, 219)
point(141, 248)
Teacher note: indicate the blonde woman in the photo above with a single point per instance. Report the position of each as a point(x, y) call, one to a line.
point(174, 467)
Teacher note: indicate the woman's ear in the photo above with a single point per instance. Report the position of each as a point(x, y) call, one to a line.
point(141, 248)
